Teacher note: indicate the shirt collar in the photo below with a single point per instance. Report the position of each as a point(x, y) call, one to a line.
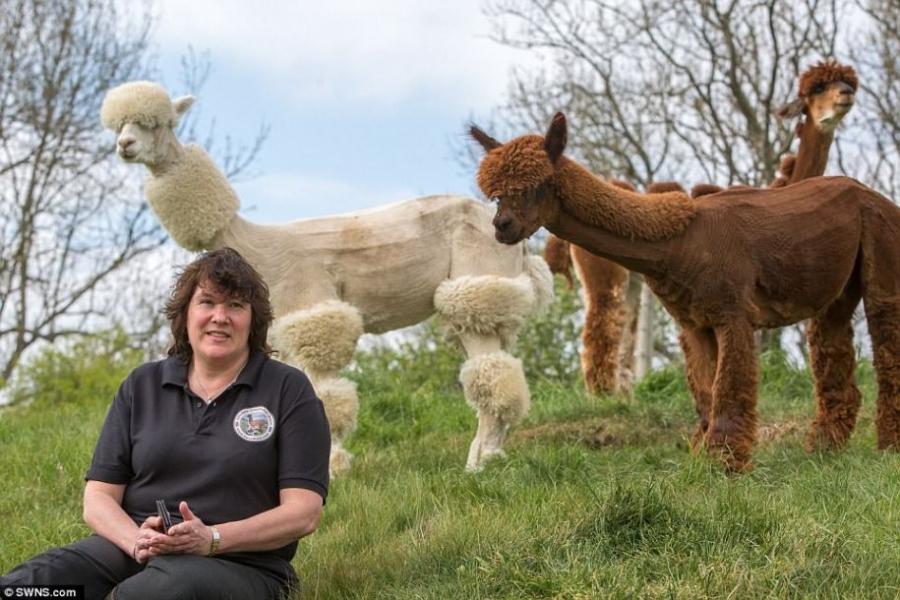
point(174, 370)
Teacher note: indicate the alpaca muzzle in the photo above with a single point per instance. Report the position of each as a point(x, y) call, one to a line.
point(505, 230)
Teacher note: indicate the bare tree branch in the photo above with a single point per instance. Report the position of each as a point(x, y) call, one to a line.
point(71, 216)
point(659, 90)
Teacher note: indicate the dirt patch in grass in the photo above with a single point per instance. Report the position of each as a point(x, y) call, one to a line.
point(772, 432)
point(597, 433)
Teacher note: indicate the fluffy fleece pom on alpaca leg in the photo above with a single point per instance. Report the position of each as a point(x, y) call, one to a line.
point(321, 339)
point(494, 385)
point(485, 305)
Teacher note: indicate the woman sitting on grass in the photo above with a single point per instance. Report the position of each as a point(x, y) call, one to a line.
point(235, 443)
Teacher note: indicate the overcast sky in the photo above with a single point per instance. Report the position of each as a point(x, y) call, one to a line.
point(363, 98)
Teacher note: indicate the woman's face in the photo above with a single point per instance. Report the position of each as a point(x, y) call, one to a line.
point(218, 326)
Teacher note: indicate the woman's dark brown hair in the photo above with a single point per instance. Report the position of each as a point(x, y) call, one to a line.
point(231, 275)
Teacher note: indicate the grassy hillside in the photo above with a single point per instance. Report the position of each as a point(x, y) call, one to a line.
point(598, 498)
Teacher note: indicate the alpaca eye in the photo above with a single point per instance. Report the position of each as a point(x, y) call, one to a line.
point(818, 88)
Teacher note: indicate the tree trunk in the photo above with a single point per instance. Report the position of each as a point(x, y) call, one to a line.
point(629, 327)
point(643, 351)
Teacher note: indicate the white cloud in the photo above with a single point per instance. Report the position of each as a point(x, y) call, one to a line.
point(348, 50)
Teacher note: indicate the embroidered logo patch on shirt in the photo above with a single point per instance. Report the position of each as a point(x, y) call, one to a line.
point(254, 424)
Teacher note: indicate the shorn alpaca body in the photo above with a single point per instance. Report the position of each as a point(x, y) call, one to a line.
point(334, 278)
point(725, 266)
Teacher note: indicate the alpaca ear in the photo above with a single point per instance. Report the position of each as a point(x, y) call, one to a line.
point(792, 109)
point(555, 140)
point(486, 141)
point(181, 105)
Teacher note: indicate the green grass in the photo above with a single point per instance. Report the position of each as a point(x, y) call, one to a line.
point(598, 498)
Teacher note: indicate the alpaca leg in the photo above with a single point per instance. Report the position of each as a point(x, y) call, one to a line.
point(484, 312)
point(884, 327)
point(341, 402)
point(833, 360)
point(321, 341)
point(700, 353)
point(494, 385)
point(732, 425)
point(602, 284)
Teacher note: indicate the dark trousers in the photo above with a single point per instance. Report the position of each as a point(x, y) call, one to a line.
point(100, 566)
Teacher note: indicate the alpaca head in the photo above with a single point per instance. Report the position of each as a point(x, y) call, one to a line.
point(825, 95)
point(143, 117)
point(520, 176)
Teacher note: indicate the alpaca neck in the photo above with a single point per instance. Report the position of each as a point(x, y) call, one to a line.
point(647, 258)
point(625, 227)
point(169, 153)
point(191, 198)
point(812, 155)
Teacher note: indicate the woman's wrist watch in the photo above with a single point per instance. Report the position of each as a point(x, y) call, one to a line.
point(214, 541)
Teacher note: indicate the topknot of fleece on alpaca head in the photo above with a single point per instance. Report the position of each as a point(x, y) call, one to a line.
point(827, 72)
point(142, 102)
point(514, 167)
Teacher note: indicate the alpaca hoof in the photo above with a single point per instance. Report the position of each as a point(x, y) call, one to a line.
point(477, 464)
point(892, 444)
point(733, 462)
point(339, 463)
point(734, 458)
point(888, 428)
point(738, 467)
point(698, 438)
point(824, 439)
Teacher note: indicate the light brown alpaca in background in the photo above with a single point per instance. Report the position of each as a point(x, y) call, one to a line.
point(611, 304)
point(825, 94)
point(603, 288)
point(734, 262)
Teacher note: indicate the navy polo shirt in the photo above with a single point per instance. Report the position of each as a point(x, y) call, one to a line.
point(227, 459)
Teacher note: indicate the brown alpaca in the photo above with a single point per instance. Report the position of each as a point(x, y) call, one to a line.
point(825, 95)
point(604, 363)
point(737, 261)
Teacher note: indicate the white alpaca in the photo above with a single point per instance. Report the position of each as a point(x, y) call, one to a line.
point(332, 279)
